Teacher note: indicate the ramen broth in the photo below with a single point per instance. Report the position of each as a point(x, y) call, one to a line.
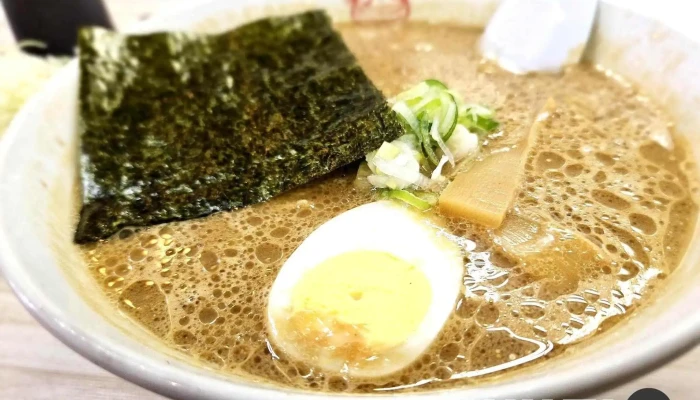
point(605, 171)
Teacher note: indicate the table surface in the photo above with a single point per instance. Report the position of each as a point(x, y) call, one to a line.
point(34, 365)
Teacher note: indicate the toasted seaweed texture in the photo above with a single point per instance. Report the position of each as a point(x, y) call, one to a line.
point(178, 125)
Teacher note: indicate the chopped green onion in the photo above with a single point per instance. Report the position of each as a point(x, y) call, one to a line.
point(426, 141)
point(482, 125)
point(402, 109)
point(479, 110)
point(431, 101)
point(429, 197)
point(409, 198)
point(388, 151)
point(436, 84)
point(419, 137)
point(478, 118)
point(435, 134)
point(440, 128)
point(437, 172)
point(463, 144)
point(449, 121)
point(361, 181)
point(415, 92)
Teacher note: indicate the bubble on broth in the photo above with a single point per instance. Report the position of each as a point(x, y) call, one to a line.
point(610, 199)
point(209, 260)
point(146, 303)
point(549, 160)
point(641, 223)
point(619, 203)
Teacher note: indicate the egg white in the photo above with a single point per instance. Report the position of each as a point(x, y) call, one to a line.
point(386, 227)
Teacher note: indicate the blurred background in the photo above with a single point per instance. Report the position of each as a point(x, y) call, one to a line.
point(122, 12)
point(36, 366)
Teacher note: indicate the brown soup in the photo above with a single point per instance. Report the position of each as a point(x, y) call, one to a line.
point(599, 170)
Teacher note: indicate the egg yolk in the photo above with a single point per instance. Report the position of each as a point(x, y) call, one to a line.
point(356, 305)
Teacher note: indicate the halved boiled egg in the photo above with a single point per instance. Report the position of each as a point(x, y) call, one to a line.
point(367, 292)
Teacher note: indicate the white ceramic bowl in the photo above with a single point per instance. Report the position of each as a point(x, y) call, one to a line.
point(38, 174)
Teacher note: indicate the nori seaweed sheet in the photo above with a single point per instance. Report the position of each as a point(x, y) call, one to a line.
point(177, 125)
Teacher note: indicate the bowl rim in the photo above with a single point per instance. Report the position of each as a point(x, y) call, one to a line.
point(181, 381)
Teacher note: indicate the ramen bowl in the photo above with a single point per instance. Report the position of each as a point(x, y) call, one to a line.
point(38, 174)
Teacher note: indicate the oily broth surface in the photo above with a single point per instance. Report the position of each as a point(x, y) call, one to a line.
point(597, 171)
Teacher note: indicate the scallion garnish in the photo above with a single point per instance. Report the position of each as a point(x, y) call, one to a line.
point(478, 119)
point(440, 129)
point(420, 200)
point(431, 102)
